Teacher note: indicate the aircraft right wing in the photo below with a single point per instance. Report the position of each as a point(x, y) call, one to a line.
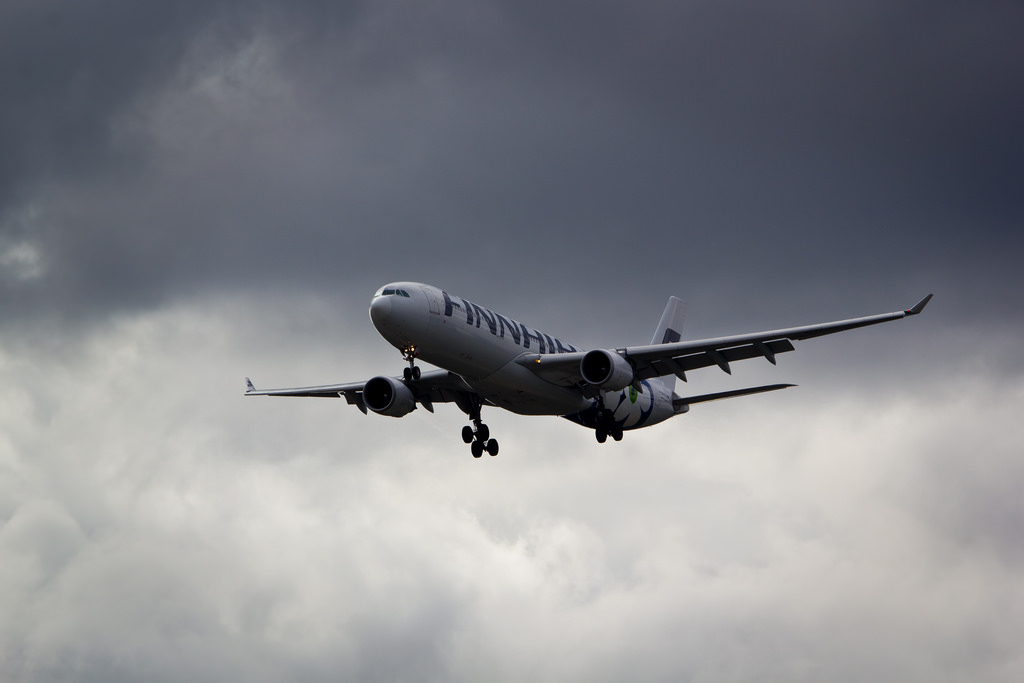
point(436, 386)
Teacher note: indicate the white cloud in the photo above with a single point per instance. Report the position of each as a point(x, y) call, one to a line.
point(158, 524)
point(22, 261)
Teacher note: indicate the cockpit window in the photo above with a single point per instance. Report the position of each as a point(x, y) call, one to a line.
point(391, 291)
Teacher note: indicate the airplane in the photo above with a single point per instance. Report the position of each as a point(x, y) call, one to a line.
point(488, 359)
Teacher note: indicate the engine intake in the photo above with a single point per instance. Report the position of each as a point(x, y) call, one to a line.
point(388, 396)
point(606, 369)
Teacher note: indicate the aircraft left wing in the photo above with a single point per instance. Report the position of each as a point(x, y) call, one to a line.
point(436, 386)
point(677, 358)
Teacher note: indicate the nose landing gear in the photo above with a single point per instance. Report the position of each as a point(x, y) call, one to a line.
point(411, 373)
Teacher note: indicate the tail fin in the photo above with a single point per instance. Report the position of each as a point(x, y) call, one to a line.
point(671, 322)
point(670, 328)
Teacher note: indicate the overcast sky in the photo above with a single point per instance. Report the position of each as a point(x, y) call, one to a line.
point(196, 191)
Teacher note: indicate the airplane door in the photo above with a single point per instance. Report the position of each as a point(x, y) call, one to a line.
point(435, 306)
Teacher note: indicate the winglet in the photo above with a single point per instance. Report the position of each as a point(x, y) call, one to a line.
point(919, 306)
point(249, 388)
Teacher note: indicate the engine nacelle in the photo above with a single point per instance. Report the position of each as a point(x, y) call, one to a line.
point(606, 369)
point(388, 396)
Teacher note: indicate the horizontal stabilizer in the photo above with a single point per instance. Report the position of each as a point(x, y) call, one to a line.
point(682, 404)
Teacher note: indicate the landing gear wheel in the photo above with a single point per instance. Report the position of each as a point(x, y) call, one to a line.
point(477, 435)
point(617, 434)
point(601, 435)
point(411, 373)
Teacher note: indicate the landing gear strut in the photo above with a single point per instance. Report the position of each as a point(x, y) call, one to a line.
point(606, 425)
point(478, 435)
point(411, 373)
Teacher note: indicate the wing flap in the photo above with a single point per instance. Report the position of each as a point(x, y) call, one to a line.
point(667, 366)
point(355, 398)
point(709, 357)
point(562, 369)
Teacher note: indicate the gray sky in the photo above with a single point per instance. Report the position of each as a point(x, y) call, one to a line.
point(195, 191)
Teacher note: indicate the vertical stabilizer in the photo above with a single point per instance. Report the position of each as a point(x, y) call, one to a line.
point(670, 328)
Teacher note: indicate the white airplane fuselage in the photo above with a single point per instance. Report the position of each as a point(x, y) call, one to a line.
point(482, 347)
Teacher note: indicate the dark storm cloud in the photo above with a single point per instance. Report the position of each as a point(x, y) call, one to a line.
point(67, 71)
point(68, 68)
point(730, 128)
point(708, 147)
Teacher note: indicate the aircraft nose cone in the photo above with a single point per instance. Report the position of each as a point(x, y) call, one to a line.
point(380, 311)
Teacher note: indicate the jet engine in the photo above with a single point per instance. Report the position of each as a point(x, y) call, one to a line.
point(388, 396)
point(606, 369)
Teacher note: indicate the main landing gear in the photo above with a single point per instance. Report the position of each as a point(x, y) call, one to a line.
point(478, 435)
point(606, 425)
